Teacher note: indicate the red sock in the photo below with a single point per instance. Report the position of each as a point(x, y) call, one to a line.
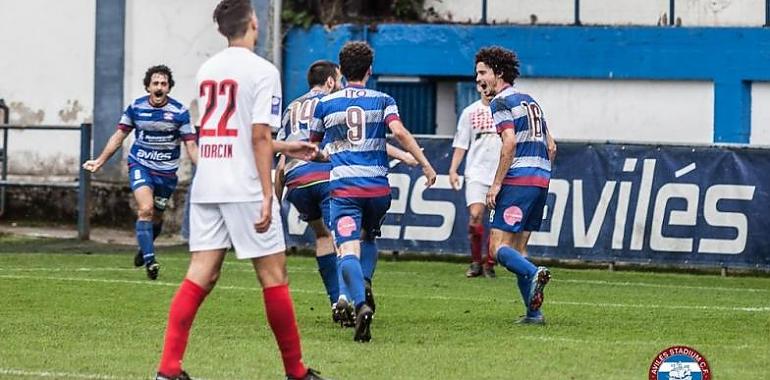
point(490, 260)
point(280, 314)
point(180, 318)
point(476, 235)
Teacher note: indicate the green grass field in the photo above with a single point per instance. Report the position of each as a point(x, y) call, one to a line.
point(68, 315)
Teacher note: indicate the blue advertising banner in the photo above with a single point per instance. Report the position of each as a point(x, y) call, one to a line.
point(666, 205)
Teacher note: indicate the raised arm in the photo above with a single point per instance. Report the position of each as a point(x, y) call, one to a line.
point(113, 144)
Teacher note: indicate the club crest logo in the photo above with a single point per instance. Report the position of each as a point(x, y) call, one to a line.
point(345, 226)
point(512, 215)
point(168, 116)
point(679, 363)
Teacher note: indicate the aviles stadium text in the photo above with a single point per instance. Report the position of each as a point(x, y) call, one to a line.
point(695, 211)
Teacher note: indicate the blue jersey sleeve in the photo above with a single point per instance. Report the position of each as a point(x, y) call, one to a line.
point(126, 122)
point(316, 126)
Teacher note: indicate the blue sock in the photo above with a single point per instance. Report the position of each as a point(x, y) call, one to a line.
point(354, 278)
point(156, 228)
point(524, 287)
point(342, 286)
point(327, 266)
point(369, 255)
point(512, 260)
point(144, 238)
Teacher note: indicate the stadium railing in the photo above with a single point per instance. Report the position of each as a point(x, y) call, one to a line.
point(83, 184)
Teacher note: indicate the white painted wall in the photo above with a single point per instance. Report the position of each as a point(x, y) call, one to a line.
point(760, 114)
point(446, 115)
point(721, 12)
point(177, 33)
point(639, 111)
point(605, 12)
point(47, 77)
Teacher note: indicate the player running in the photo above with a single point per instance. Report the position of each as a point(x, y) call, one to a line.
point(159, 123)
point(477, 129)
point(352, 124)
point(518, 194)
point(232, 204)
point(307, 182)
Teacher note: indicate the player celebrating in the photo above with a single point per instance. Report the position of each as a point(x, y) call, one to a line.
point(477, 129)
point(159, 123)
point(231, 192)
point(308, 181)
point(518, 194)
point(354, 122)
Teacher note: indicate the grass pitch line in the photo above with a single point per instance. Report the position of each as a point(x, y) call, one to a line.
point(56, 375)
point(665, 286)
point(758, 309)
point(314, 270)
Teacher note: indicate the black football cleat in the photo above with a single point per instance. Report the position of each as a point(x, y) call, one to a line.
point(343, 313)
point(369, 295)
point(152, 270)
point(181, 376)
point(474, 270)
point(138, 259)
point(311, 375)
point(363, 320)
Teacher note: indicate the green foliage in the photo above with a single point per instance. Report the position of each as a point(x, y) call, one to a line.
point(94, 316)
point(302, 18)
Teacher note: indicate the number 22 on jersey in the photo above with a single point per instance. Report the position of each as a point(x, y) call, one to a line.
point(212, 90)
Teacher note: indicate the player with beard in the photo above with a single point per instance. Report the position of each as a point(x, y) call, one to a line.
point(518, 193)
point(159, 124)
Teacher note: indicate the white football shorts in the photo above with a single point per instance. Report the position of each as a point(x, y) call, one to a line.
point(224, 225)
point(476, 192)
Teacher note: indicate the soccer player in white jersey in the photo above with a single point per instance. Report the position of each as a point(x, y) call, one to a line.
point(476, 129)
point(232, 202)
point(159, 124)
point(520, 188)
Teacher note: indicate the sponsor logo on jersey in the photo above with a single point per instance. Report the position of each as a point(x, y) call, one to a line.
point(154, 155)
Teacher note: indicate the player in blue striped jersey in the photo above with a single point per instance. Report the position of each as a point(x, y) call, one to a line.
point(518, 193)
point(159, 124)
point(352, 124)
point(307, 182)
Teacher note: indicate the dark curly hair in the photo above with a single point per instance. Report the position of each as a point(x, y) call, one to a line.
point(355, 60)
point(232, 17)
point(501, 60)
point(159, 69)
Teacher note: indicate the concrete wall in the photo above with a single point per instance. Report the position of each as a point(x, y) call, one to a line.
point(626, 110)
point(178, 34)
point(46, 77)
point(604, 12)
point(760, 113)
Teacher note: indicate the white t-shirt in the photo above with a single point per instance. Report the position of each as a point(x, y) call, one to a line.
point(476, 129)
point(236, 88)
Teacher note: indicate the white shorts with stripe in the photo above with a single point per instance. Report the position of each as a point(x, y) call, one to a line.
point(223, 225)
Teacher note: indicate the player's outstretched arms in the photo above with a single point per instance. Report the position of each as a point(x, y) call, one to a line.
point(113, 144)
point(410, 144)
point(457, 158)
point(401, 155)
point(296, 149)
